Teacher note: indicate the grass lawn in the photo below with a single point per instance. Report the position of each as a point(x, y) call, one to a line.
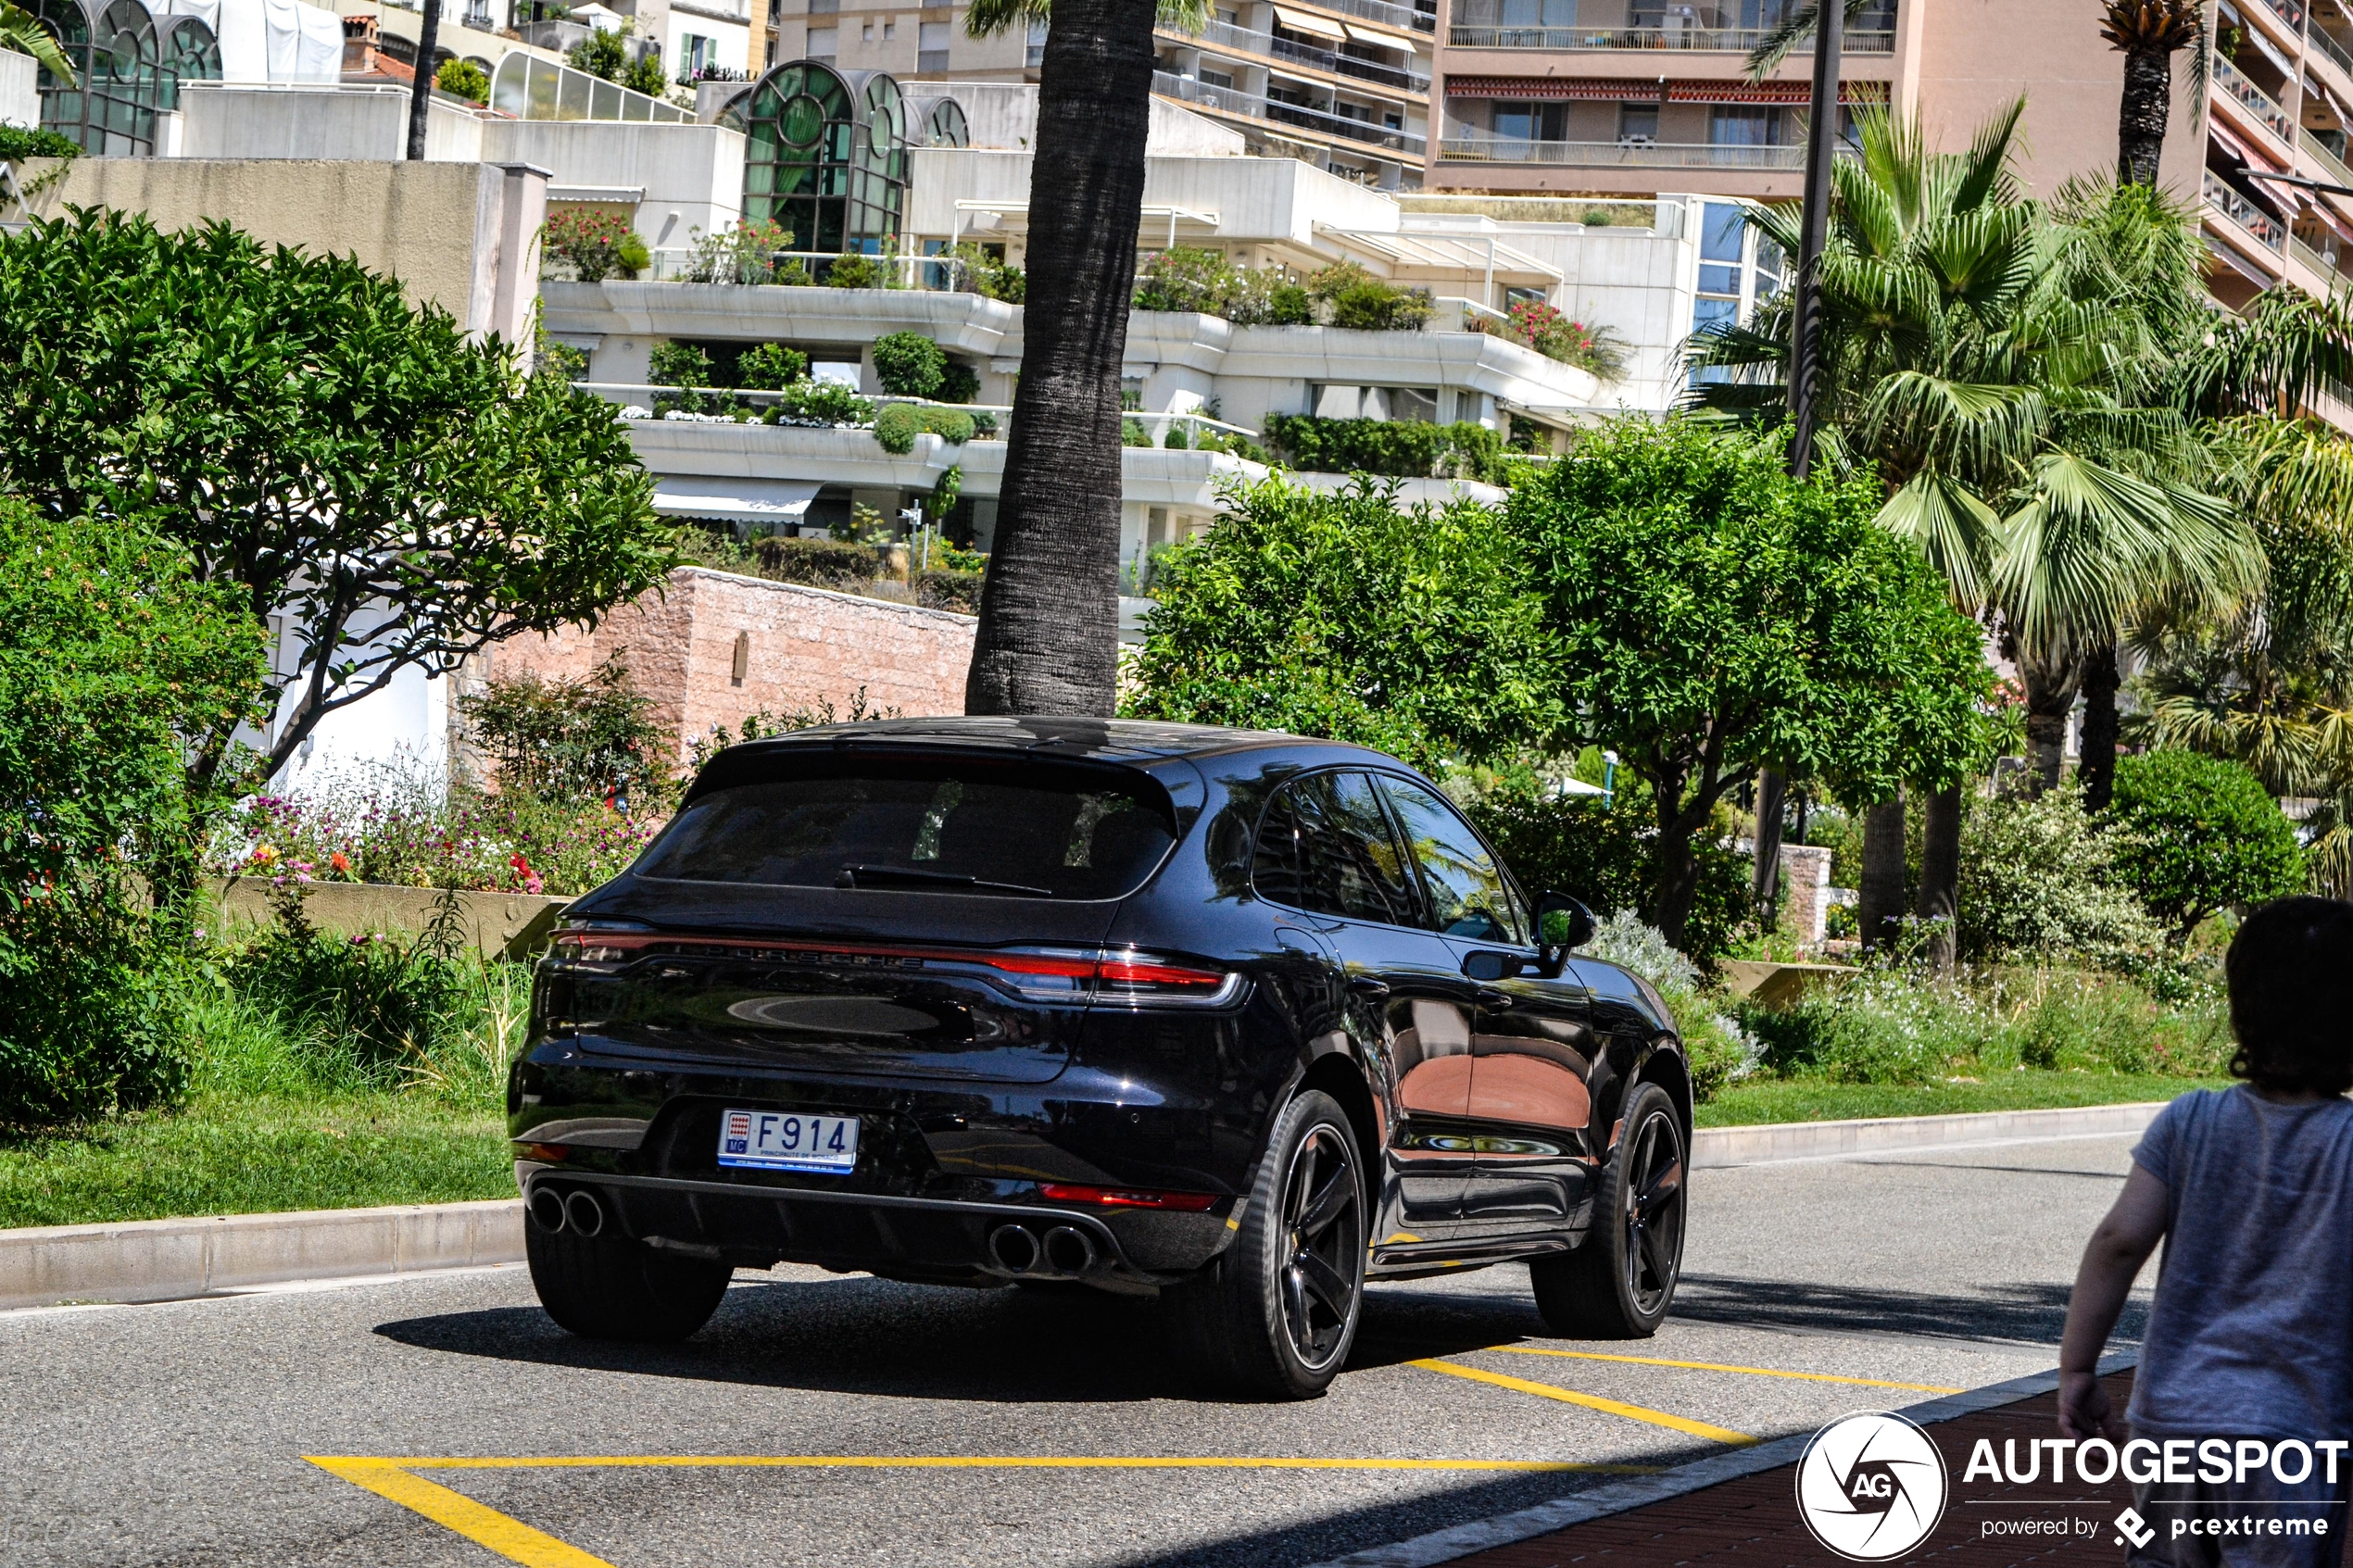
point(1814, 1099)
point(239, 1154)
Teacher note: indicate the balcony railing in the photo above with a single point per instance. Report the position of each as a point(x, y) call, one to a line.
point(2244, 213)
point(1479, 147)
point(2287, 11)
point(1232, 100)
point(1344, 65)
point(2257, 102)
point(1410, 18)
point(2335, 272)
point(2317, 151)
point(2333, 49)
point(1714, 40)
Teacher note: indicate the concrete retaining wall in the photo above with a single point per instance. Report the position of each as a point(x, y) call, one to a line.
point(513, 925)
point(1719, 1147)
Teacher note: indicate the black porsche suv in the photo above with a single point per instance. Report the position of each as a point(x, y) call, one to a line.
point(1234, 1018)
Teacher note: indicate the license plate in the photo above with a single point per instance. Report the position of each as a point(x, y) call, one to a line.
point(787, 1140)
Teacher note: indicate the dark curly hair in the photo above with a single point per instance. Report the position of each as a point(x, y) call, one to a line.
point(2291, 977)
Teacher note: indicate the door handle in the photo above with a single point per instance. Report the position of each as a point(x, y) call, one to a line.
point(1493, 1000)
point(1368, 986)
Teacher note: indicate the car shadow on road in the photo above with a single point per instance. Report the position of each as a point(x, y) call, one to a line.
point(2022, 1313)
point(866, 1336)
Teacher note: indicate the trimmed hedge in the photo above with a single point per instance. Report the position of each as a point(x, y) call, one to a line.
point(1397, 448)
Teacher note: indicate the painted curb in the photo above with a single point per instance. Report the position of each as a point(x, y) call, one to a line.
point(172, 1260)
point(1768, 1143)
point(1619, 1497)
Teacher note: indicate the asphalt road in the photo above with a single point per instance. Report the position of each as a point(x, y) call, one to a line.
point(176, 1434)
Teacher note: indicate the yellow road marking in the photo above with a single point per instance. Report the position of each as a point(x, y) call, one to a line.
point(1715, 1366)
point(517, 1542)
point(1591, 1402)
point(511, 1538)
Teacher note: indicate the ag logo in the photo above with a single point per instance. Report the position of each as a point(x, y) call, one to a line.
point(1870, 1485)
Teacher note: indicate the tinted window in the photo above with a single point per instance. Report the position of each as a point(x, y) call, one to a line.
point(923, 826)
point(1324, 845)
point(1468, 893)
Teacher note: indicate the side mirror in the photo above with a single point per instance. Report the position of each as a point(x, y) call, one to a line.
point(1563, 926)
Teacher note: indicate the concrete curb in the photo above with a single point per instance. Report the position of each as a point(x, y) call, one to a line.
point(1619, 1497)
point(1772, 1142)
point(171, 1260)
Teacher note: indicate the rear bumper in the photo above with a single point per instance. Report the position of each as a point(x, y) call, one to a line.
point(932, 1240)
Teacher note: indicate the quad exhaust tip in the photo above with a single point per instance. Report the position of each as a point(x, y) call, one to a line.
point(1014, 1248)
point(579, 1211)
point(547, 1209)
point(583, 1213)
point(1068, 1252)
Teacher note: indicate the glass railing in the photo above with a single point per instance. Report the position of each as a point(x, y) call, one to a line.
point(1231, 100)
point(2256, 101)
point(1408, 18)
point(2332, 164)
point(1343, 65)
point(530, 88)
point(2333, 49)
point(2287, 11)
point(2244, 213)
point(1719, 40)
point(1479, 147)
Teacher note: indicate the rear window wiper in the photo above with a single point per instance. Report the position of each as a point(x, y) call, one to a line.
point(860, 876)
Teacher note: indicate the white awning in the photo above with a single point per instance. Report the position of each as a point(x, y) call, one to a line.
point(1375, 37)
point(774, 501)
point(1303, 22)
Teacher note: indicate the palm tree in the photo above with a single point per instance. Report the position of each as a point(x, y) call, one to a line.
point(2149, 34)
point(2001, 368)
point(1048, 640)
point(21, 32)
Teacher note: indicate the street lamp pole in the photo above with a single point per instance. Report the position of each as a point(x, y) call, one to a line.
point(420, 90)
point(1805, 364)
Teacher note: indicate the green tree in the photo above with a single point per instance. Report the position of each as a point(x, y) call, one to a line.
point(463, 79)
point(909, 364)
point(1047, 642)
point(114, 658)
point(1711, 615)
point(1338, 615)
point(771, 367)
point(2039, 882)
point(396, 495)
point(601, 54)
point(2195, 834)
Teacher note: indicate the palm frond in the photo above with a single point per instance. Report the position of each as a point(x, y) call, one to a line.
point(21, 32)
point(1954, 530)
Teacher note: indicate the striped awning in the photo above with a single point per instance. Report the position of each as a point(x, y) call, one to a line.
point(1308, 23)
point(1617, 89)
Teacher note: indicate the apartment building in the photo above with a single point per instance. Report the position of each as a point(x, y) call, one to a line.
point(912, 40)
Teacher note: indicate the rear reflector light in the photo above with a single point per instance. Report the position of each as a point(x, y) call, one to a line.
point(1127, 1197)
point(552, 1153)
point(1074, 976)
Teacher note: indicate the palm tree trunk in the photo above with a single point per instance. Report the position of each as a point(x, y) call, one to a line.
point(1880, 907)
point(1765, 880)
point(2050, 695)
point(420, 89)
point(1940, 894)
point(2097, 769)
point(2140, 123)
point(1048, 633)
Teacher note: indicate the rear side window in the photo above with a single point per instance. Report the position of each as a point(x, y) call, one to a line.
point(1324, 845)
point(1019, 830)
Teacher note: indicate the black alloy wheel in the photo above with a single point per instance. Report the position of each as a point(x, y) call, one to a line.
point(1324, 1221)
point(1620, 1280)
point(1274, 1316)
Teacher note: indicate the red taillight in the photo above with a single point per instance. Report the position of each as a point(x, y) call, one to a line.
point(1127, 1197)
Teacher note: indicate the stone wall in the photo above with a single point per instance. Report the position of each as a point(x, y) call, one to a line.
point(800, 647)
point(1806, 873)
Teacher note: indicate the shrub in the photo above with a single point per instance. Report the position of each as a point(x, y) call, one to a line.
point(1397, 448)
point(1184, 278)
point(953, 425)
point(2195, 833)
point(854, 270)
point(771, 367)
point(18, 143)
point(743, 252)
point(958, 382)
point(823, 403)
point(596, 245)
point(896, 428)
point(820, 563)
point(1536, 325)
point(1718, 1048)
point(942, 589)
point(909, 364)
point(572, 742)
point(1353, 297)
point(463, 79)
point(601, 54)
point(2038, 882)
point(1601, 853)
point(970, 270)
point(644, 75)
point(1132, 432)
point(113, 659)
point(681, 365)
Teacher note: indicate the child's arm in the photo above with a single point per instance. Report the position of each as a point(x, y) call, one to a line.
point(2118, 1248)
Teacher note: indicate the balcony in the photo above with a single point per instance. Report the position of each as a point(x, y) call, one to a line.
point(1265, 46)
point(1463, 146)
point(2335, 52)
point(2290, 14)
point(2331, 166)
point(1409, 19)
point(1251, 106)
point(2265, 228)
point(2253, 100)
point(1695, 40)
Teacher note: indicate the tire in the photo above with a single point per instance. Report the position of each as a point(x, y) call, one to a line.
point(1275, 1315)
point(612, 1288)
point(1620, 1280)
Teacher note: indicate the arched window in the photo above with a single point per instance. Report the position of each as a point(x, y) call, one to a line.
point(825, 155)
point(190, 54)
point(944, 125)
point(130, 67)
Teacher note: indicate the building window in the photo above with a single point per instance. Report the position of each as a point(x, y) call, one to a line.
point(867, 34)
point(1532, 122)
point(821, 43)
point(1739, 269)
point(1215, 78)
point(1744, 125)
point(696, 53)
point(1637, 124)
point(890, 31)
point(119, 86)
point(828, 164)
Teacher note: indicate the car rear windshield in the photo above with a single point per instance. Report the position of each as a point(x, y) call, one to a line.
point(1009, 829)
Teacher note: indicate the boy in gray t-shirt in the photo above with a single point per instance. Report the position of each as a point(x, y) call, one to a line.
point(2251, 1337)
